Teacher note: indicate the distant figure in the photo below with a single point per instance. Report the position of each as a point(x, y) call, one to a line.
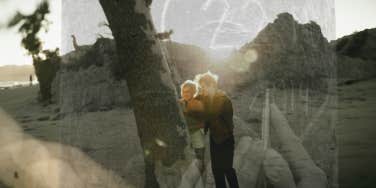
point(31, 79)
point(164, 35)
point(74, 40)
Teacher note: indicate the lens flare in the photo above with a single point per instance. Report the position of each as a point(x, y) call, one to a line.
point(241, 62)
point(250, 56)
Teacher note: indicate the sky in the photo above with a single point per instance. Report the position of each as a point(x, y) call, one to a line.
point(11, 51)
point(354, 15)
point(350, 17)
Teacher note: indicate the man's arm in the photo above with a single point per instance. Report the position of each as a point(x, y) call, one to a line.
point(227, 113)
point(195, 106)
point(206, 127)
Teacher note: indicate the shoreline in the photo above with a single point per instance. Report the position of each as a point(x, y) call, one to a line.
point(4, 85)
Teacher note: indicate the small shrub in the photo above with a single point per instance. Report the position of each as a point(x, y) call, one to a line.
point(46, 69)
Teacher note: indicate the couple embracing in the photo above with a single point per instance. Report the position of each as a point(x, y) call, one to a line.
point(207, 109)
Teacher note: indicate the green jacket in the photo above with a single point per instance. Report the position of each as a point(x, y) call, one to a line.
point(218, 116)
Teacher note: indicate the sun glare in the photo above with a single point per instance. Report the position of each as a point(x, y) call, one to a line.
point(250, 56)
point(218, 55)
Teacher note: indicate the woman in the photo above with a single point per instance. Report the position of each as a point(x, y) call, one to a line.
point(192, 109)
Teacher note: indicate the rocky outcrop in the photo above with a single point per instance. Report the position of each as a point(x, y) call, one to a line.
point(285, 54)
point(90, 89)
point(85, 81)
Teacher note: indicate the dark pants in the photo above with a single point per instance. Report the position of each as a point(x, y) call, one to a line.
point(222, 156)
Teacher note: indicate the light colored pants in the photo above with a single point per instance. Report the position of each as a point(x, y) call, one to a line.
point(197, 139)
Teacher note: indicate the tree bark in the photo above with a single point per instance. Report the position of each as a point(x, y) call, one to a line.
point(160, 122)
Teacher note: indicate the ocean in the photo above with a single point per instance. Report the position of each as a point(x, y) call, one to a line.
point(13, 84)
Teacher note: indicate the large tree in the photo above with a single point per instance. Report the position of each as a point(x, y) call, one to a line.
point(46, 62)
point(159, 119)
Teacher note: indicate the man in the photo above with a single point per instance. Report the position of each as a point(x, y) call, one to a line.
point(192, 108)
point(218, 114)
point(31, 80)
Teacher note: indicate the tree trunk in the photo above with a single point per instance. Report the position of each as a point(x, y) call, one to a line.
point(160, 122)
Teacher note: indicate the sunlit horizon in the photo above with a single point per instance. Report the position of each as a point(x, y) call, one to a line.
point(350, 18)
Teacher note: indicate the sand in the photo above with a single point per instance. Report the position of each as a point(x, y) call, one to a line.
point(356, 131)
point(97, 149)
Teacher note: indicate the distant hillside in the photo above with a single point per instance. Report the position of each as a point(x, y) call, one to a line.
point(356, 56)
point(16, 72)
point(358, 45)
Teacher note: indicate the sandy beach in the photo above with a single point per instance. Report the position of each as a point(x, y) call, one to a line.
point(355, 131)
point(105, 146)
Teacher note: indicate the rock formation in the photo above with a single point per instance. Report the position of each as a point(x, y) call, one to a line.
point(285, 54)
point(86, 82)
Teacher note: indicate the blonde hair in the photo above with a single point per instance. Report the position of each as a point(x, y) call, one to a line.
point(191, 84)
point(208, 78)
